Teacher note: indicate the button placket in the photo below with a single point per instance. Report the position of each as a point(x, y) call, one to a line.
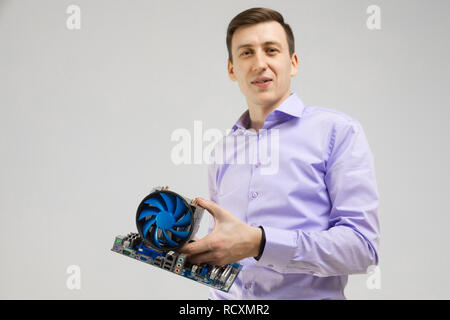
point(254, 194)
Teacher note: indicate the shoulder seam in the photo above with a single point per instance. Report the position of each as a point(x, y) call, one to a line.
point(339, 114)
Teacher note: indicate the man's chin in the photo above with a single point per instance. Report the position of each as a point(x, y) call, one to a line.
point(265, 98)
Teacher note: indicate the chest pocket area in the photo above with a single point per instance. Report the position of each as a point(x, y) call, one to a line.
point(233, 178)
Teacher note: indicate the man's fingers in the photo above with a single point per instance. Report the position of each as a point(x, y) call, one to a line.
point(196, 247)
point(205, 257)
point(211, 206)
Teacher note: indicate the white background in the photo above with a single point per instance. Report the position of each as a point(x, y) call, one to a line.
point(86, 118)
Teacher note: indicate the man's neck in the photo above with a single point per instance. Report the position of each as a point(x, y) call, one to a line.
point(258, 113)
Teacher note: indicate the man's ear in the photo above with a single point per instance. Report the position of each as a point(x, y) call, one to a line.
point(231, 71)
point(294, 65)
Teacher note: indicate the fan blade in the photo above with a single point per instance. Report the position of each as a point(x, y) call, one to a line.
point(180, 234)
point(147, 225)
point(155, 203)
point(181, 208)
point(185, 221)
point(169, 241)
point(155, 238)
point(169, 201)
point(148, 212)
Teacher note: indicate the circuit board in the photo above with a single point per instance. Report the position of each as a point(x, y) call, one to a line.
point(217, 277)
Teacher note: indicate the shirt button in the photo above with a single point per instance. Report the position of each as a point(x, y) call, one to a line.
point(254, 195)
point(258, 164)
point(270, 265)
point(248, 285)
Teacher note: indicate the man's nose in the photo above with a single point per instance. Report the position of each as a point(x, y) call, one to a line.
point(259, 61)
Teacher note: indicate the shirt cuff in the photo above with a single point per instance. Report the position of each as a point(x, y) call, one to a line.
point(262, 244)
point(279, 248)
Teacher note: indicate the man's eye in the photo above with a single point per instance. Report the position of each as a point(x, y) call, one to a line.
point(246, 53)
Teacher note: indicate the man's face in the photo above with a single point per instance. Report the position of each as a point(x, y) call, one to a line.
point(261, 52)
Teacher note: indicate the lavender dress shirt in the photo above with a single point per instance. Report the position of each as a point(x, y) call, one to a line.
point(308, 178)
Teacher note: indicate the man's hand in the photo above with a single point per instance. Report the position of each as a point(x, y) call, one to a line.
point(230, 240)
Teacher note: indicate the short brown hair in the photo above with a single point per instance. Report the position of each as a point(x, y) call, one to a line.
point(257, 15)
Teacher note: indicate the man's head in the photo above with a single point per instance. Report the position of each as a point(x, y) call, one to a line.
point(261, 47)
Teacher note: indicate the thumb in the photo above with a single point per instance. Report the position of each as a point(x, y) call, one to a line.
point(211, 206)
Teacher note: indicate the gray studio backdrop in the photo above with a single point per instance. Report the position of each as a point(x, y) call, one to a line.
point(86, 117)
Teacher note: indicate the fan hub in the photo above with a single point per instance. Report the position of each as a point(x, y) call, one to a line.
point(165, 220)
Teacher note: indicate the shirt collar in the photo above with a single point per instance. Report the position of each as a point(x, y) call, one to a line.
point(291, 107)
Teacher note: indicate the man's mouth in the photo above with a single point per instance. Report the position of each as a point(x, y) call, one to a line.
point(262, 83)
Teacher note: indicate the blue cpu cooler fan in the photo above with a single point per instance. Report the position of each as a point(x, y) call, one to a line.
point(165, 220)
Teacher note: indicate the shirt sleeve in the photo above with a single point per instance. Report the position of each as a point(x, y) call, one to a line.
point(350, 244)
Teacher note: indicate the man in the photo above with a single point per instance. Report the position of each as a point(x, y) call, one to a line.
point(302, 229)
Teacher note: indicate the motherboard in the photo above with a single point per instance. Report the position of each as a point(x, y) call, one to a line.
point(217, 277)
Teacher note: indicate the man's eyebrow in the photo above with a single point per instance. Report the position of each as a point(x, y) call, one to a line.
point(248, 45)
